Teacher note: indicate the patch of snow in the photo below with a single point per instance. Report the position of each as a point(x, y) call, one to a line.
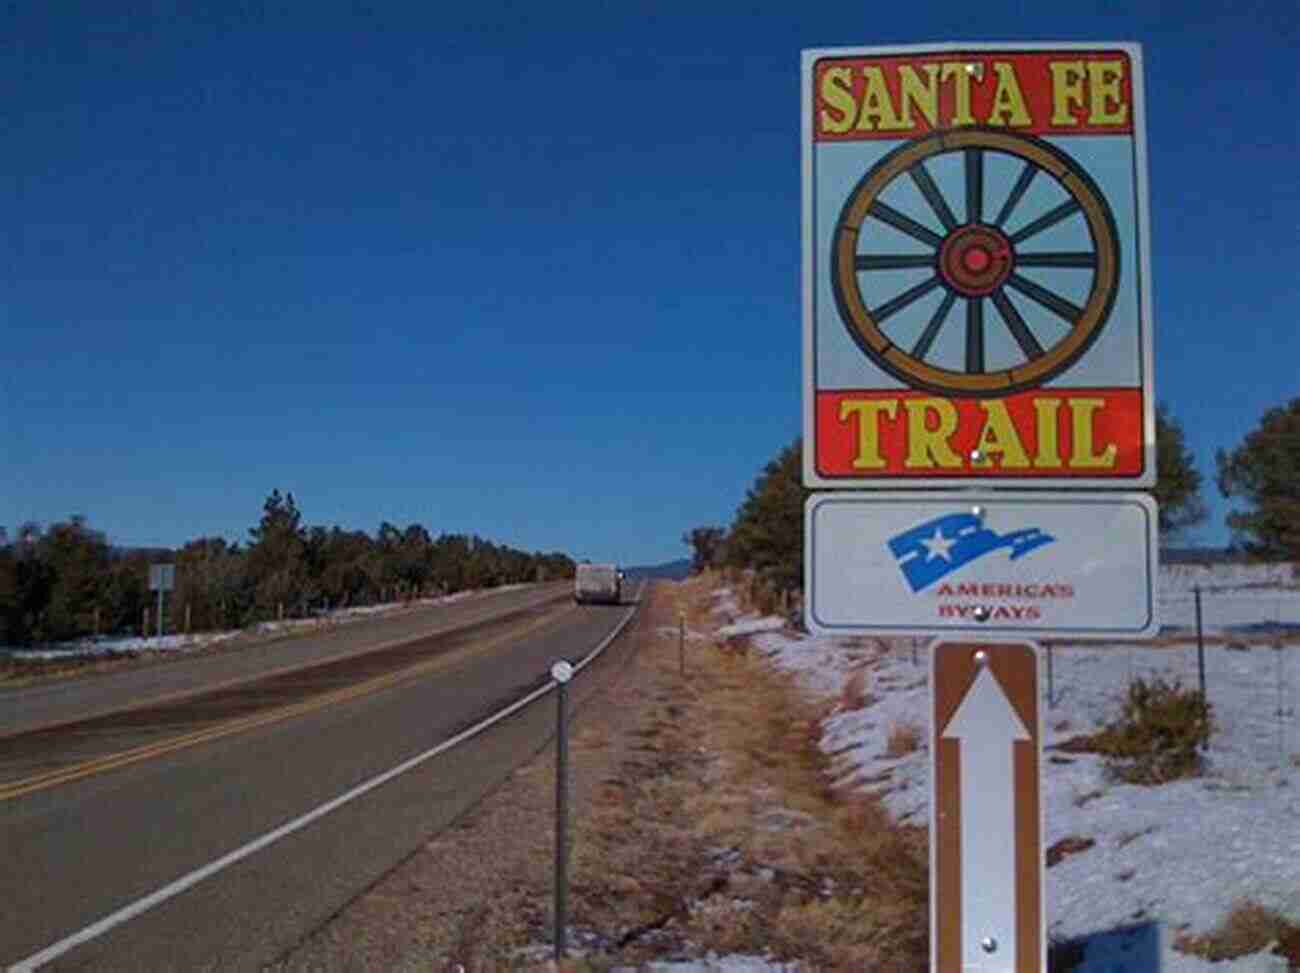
point(1184, 577)
point(1180, 855)
point(768, 623)
point(105, 646)
point(737, 963)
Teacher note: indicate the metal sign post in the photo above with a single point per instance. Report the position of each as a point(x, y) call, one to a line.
point(561, 672)
point(986, 893)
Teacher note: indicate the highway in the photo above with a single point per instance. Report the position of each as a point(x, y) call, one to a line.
point(84, 846)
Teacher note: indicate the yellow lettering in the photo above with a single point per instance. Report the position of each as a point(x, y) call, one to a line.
point(868, 413)
point(837, 93)
point(924, 95)
point(1105, 100)
point(1049, 452)
point(1067, 91)
point(1082, 456)
point(926, 447)
point(876, 105)
point(960, 76)
point(1008, 101)
point(999, 436)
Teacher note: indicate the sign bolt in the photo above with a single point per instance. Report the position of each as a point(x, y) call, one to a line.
point(989, 944)
point(977, 511)
point(981, 658)
point(981, 614)
point(976, 456)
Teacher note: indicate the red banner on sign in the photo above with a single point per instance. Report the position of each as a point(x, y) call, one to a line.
point(1066, 92)
point(1085, 433)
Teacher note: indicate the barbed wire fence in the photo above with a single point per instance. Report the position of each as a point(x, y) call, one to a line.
point(1237, 643)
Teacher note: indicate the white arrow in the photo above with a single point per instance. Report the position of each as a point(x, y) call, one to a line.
point(986, 726)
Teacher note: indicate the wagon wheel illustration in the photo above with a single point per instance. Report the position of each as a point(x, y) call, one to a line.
point(978, 261)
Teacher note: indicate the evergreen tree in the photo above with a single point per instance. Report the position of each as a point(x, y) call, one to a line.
point(767, 534)
point(277, 564)
point(1178, 482)
point(706, 544)
point(1264, 471)
point(75, 561)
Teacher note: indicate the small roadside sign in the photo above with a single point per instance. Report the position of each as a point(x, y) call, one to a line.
point(162, 577)
point(985, 564)
point(986, 818)
point(976, 267)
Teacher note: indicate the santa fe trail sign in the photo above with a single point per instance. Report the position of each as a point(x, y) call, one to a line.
point(976, 299)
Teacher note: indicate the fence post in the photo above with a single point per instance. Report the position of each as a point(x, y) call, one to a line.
point(144, 622)
point(1200, 643)
point(681, 642)
point(188, 606)
point(96, 621)
point(1051, 684)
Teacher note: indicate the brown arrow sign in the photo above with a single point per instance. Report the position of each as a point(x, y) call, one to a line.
point(986, 857)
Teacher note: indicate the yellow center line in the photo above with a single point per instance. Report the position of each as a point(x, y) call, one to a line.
point(99, 765)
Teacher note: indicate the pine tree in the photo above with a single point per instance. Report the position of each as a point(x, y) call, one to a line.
point(1264, 471)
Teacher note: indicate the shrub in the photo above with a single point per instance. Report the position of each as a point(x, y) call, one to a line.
point(1159, 736)
point(1247, 929)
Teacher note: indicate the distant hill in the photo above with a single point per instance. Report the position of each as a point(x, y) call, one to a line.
point(672, 571)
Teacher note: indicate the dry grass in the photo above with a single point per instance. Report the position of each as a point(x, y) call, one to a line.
point(904, 738)
point(853, 694)
point(1247, 929)
point(723, 831)
point(1067, 846)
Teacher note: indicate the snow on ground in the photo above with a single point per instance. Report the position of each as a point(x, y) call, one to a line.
point(1180, 855)
point(1185, 577)
point(108, 646)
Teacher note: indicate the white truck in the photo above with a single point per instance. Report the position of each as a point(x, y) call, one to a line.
point(598, 583)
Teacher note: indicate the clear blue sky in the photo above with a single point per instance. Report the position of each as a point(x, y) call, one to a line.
point(529, 271)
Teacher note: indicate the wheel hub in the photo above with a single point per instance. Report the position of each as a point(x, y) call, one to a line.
point(975, 260)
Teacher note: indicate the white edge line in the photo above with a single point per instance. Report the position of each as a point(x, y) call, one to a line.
point(129, 912)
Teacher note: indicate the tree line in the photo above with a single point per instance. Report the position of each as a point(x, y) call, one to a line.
point(66, 581)
point(1262, 473)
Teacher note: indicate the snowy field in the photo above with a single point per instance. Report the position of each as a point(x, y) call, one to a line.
point(106, 646)
point(1172, 858)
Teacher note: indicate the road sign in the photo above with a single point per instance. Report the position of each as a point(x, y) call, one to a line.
point(986, 564)
point(976, 271)
point(986, 823)
point(162, 577)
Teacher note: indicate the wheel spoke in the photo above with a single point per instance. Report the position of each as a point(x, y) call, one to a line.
point(974, 335)
point(922, 346)
point(1061, 212)
point(909, 296)
point(1084, 259)
point(974, 185)
point(921, 176)
point(1019, 330)
point(1052, 301)
point(899, 221)
point(1017, 191)
point(894, 261)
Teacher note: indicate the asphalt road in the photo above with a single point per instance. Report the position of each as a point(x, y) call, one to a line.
point(22, 708)
point(81, 851)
